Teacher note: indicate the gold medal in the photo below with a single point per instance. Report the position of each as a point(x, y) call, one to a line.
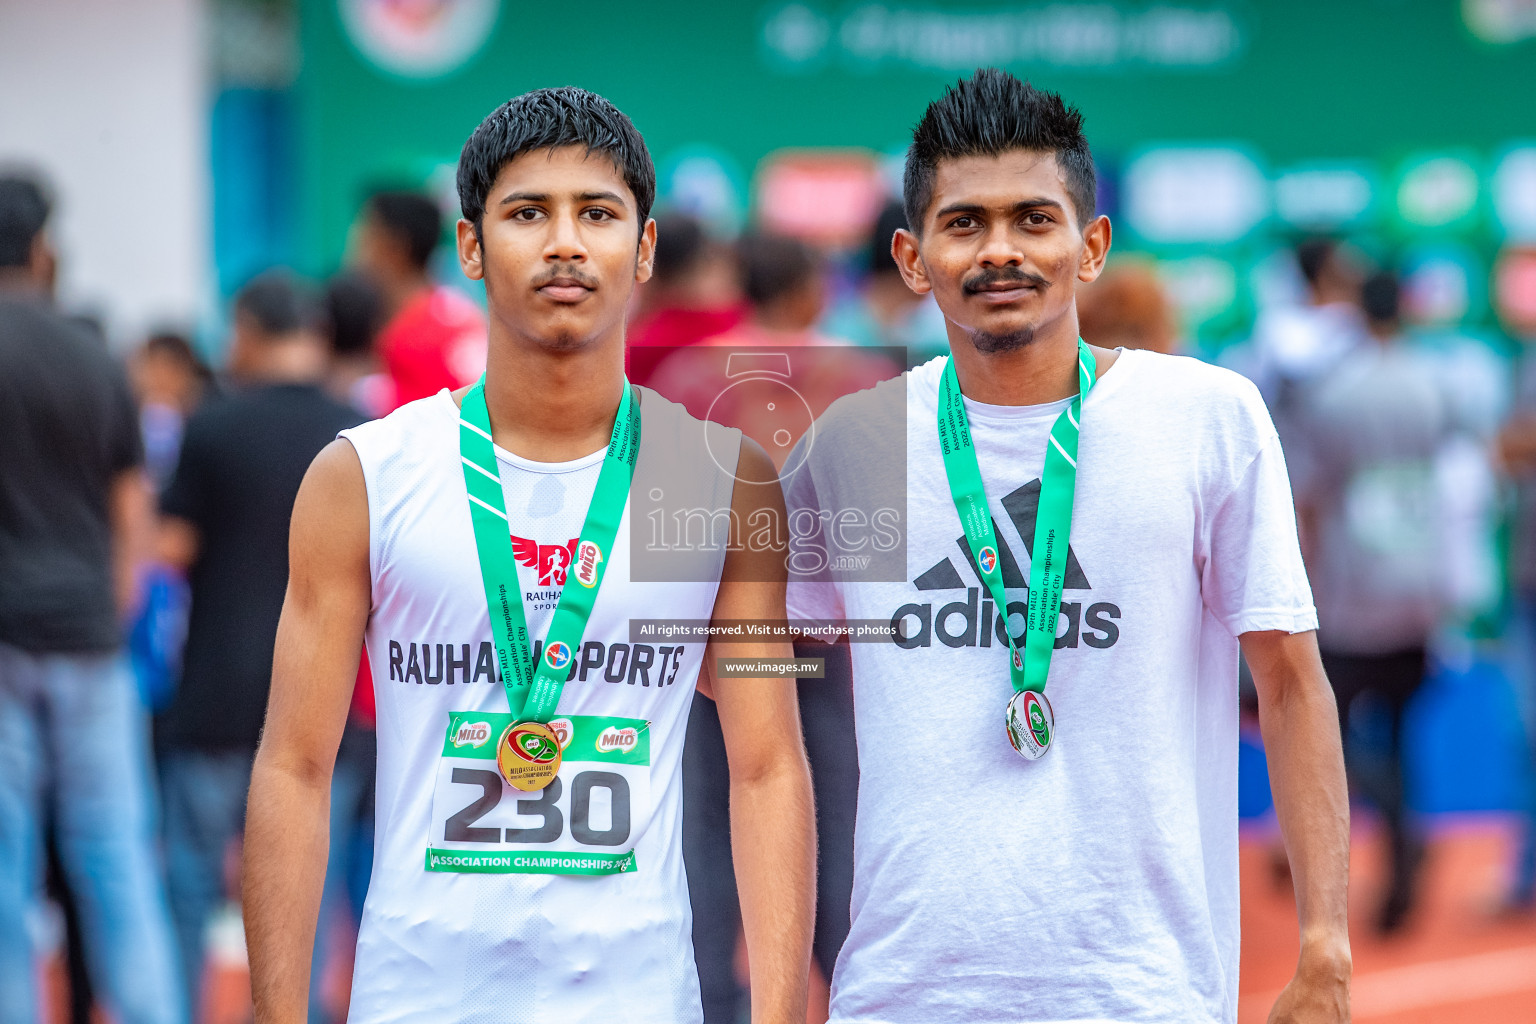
point(1031, 724)
point(528, 755)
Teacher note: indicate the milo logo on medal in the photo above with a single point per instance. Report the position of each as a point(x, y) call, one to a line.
point(530, 741)
point(588, 555)
point(472, 734)
point(986, 558)
point(613, 738)
point(1037, 724)
point(557, 655)
point(1029, 721)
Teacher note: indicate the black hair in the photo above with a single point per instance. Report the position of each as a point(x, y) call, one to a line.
point(892, 219)
point(989, 114)
point(411, 217)
point(176, 346)
point(547, 119)
point(773, 266)
point(1381, 297)
point(1312, 255)
point(353, 313)
point(279, 302)
point(680, 243)
point(24, 209)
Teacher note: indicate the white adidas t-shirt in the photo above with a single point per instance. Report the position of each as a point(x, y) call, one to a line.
point(1099, 883)
point(478, 909)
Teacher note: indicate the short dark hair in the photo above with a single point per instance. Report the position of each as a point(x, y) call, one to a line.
point(989, 114)
point(773, 266)
point(893, 218)
point(278, 301)
point(680, 243)
point(548, 119)
point(354, 313)
point(24, 209)
point(176, 346)
point(1381, 297)
point(411, 217)
point(1312, 256)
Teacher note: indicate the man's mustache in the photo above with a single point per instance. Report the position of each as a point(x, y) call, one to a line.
point(993, 276)
point(566, 270)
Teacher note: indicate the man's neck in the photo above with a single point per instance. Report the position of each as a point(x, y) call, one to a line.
point(1045, 370)
point(553, 406)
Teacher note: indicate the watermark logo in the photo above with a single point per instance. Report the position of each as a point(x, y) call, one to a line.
point(588, 555)
point(615, 739)
point(472, 734)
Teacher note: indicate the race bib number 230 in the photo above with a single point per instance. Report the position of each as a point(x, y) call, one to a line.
point(583, 823)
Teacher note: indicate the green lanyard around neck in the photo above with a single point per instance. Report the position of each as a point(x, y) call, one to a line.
point(533, 691)
point(1053, 525)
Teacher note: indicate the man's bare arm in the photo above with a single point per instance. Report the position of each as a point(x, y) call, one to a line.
point(1300, 723)
point(313, 670)
point(773, 824)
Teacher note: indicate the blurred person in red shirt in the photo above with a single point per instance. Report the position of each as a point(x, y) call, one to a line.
point(433, 337)
point(693, 294)
point(785, 283)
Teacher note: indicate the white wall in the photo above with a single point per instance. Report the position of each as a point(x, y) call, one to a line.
point(108, 99)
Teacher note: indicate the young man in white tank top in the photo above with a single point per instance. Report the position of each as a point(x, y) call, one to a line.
point(528, 862)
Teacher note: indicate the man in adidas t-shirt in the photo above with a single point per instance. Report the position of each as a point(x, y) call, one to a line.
point(494, 548)
point(1099, 881)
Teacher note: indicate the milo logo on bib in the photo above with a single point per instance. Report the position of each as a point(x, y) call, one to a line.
point(611, 739)
point(471, 734)
point(563, 731)
point(588, 555)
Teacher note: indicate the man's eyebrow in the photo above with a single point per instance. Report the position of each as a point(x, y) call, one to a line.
point(543, 197)
point(524, 197)
point(1033, 203)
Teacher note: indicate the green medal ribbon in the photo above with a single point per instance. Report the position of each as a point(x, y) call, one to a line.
point(533, 691)
point(1053, 526)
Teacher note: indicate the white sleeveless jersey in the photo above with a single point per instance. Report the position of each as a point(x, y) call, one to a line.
point(486, 903)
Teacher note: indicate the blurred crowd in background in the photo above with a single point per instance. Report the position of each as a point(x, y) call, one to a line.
point(143, 536)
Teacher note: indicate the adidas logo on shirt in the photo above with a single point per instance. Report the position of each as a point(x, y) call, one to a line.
point(965, 623)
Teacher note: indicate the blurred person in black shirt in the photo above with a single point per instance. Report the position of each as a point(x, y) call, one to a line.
point(226, 515)
point(74, 509)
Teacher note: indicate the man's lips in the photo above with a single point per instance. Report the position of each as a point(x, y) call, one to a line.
point(1001, 294)
point(565, 289)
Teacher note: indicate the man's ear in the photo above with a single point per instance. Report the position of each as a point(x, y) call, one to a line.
point(1096, 239)
point(467, 241)
point(646, 259)
point(904, 252)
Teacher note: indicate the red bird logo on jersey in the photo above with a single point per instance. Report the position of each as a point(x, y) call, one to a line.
point(551, 560)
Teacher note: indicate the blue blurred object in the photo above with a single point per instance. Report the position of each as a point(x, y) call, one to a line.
point(157, 636)
point(1462, 741)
